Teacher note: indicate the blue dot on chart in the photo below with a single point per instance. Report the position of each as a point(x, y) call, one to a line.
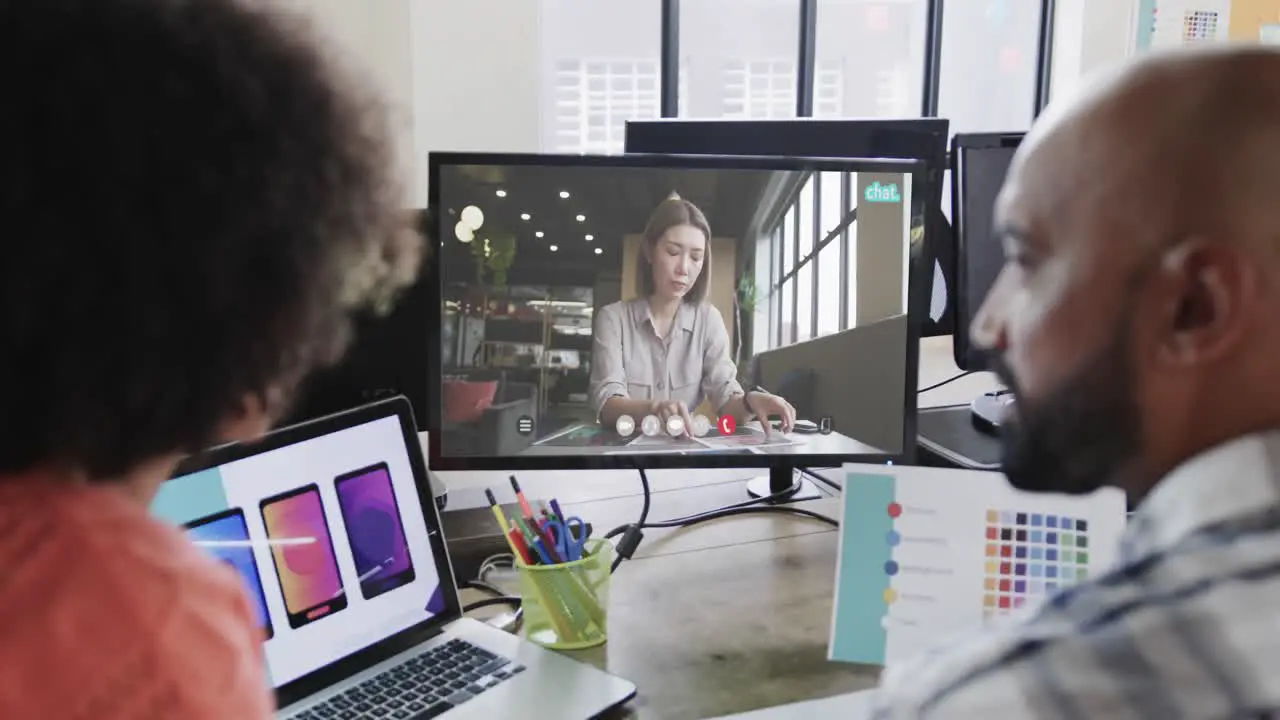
point(891, 568)
point(892, 538)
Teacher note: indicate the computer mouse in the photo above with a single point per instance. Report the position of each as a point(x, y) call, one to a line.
point(990, 410)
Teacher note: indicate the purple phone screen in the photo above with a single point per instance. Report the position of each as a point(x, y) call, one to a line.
point(374, 527)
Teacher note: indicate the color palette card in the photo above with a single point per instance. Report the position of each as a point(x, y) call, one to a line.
point(929, 552)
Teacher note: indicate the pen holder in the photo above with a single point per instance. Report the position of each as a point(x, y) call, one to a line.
point(566, 606)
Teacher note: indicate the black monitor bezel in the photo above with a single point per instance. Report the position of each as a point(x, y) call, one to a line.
point(343, 668)
point(965, 356)
point(437, 461)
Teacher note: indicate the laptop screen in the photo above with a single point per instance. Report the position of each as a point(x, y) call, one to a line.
point(328, 536)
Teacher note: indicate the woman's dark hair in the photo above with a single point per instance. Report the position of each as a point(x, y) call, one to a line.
point(674, 212)
point(193, 204)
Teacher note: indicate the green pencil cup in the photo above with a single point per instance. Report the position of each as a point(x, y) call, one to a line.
point(566, 606)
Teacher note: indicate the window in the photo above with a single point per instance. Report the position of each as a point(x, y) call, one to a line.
point(740, 57)
point(760, 89)
point(851, 273)
point(829, 288)
point(831, 213)
point(600, 68)
point(595, 99)
point(787, 325)
point(988, 77)
point(828, 88)
point(804, 204)
point(874, 50)
point(804, 302)
point(788, 241)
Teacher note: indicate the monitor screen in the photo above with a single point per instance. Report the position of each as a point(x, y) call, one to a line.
point(979, 164)
point(328, 536)
point(623, 311)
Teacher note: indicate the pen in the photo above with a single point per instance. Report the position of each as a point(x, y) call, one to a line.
point(539, 548)
point(555, 508)
point(524, 504)
point(519, 547)
point(497, 511)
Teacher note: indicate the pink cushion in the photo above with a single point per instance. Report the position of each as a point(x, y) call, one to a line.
point(465, 401)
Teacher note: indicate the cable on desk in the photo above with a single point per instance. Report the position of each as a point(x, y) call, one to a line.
point(731, 511)
point(948, 381)
point(483, 586)
point(632, 534)
point(508, 600)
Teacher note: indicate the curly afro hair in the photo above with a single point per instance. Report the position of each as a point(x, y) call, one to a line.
point(193, 205)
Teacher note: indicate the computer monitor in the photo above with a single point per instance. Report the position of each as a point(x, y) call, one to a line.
point(979, 163)
point(915, 138)
point(388, 356)
point(553, 348)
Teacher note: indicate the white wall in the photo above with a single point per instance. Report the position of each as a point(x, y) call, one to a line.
point(374, 39)
point(1090, 37)
point(475, 77)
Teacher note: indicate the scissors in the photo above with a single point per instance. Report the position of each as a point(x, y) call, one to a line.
point(569, 536)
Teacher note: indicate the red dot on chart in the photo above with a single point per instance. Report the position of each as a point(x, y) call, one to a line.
point(894, 510)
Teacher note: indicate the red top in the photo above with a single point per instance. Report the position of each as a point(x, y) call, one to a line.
point(108, 613)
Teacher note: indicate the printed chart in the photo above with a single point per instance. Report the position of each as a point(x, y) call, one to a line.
point(927, 553)
point(1031, 555)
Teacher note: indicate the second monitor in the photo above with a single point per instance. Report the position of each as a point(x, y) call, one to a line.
point(646, 311)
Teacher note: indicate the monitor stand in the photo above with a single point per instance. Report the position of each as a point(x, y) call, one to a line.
point(779, 479)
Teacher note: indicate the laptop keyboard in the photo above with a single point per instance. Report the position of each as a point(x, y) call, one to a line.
point(422, 687)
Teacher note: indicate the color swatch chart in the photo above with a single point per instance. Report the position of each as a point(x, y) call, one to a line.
point(926, 553)
point(1031, 555)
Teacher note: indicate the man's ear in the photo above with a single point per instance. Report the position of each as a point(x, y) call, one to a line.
point(1205, 290)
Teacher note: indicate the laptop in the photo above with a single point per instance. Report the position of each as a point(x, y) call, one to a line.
point(332, 527)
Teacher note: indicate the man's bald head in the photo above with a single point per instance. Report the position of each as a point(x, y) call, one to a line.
point(1142, 228)
point(1175, 145)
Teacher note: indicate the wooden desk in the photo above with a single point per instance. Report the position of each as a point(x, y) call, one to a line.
point(728, 616)
point(724, 617)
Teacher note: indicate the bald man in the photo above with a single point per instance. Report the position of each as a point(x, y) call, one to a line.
point(1138, 319)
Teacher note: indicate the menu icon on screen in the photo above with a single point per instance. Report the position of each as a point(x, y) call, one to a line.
point(524, 425)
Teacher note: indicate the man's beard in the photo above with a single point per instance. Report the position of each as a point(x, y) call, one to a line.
point(1078, 437)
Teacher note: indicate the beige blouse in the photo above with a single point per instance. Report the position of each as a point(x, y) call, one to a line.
point(629, 360)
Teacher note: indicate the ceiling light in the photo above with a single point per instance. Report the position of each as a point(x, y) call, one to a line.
point(539, 234)
point(564, 194)
point(501, 193)
point(472, 216)
point(599, 251)
point(590, 238)
point(524, 216)
point(463, 232)
point(555, 248)
point(582, 218)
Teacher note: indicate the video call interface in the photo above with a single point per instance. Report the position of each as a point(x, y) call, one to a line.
point(328, 537)
point(575, 297)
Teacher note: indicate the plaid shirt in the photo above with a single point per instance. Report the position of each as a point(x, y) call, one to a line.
point(1187, 625)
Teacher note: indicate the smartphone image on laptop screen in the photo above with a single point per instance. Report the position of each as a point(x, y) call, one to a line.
point(302, 551)
point(226, 536)
point(374, 529)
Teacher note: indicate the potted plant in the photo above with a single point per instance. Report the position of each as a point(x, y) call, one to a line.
point(744, 300)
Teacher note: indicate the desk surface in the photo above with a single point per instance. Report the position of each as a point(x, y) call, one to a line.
point(725, 617)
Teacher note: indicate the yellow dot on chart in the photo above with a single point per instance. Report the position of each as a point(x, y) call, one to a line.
point(890, 596)
point(993, 516)
point(992, 567)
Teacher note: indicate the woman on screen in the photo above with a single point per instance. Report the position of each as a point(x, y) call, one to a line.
point(667, 350)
